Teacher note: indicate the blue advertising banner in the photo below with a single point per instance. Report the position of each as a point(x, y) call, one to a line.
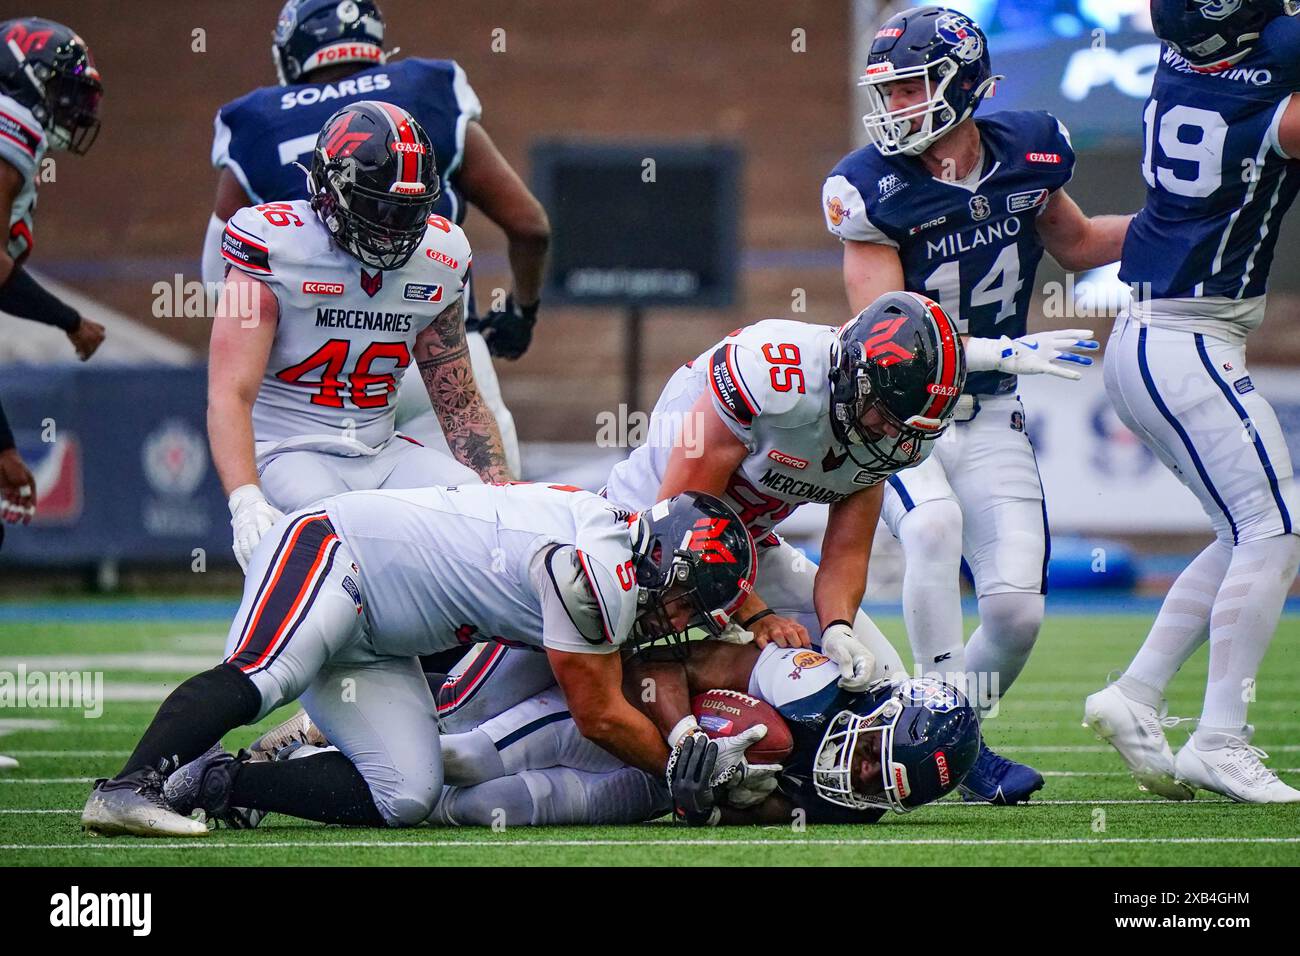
point(120, 458)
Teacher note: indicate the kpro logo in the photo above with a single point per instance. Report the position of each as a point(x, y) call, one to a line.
point(322, 288)
point(790, 461)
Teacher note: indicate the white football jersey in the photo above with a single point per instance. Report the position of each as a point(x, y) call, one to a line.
point(769, 383)
point(520, 564)
point(22, 145)
point(345, 332)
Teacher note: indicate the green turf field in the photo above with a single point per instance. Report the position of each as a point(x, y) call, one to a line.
point(1089, 813)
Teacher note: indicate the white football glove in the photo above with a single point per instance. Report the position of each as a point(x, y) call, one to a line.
point(251, 516)
point(754, 787)
point(855, 662)
point(732, 765)
point(733, 633)
point(1036, 354)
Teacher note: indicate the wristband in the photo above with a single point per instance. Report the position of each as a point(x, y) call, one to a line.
point(682, 729)
point(6, 436)
point(21, 295)
point(838, 620)
point(756, 618)
point(986, 355)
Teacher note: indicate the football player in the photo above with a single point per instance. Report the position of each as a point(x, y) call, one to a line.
point(329, 53)
point(961, 209)
point(1222, 166)
point(776, 415)
point(17, 501)
point(340, 599)
point(327, 302)
point(49, 99)
point(530, 765)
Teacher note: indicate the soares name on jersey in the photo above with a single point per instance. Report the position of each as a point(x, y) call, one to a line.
point(325, 92)
point(364, 320)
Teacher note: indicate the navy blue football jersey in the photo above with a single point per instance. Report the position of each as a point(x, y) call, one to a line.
point(260, 136)
point(1218, 183)
point(970, 244)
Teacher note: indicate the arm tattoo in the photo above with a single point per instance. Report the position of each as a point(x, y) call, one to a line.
point(442, 356)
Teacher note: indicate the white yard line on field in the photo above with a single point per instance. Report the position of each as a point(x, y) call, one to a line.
point(166, 663)
point(204, 843)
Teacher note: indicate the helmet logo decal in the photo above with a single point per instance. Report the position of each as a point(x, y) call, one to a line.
point(930, 693)
point(1218, 9)
point(339, 142)
point(27, 42)
point(941, 764)
point(958, 31)
point(705, 539)
point(881, 348)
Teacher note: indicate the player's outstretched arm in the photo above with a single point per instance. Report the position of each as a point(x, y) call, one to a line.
point(491, 184)
point(593, 689)
point(242, 333)
point(23, 296)
point(842, 580)
point(1077, 241)
point(442, 356)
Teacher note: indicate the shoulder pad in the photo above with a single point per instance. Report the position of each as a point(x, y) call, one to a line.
point(244, 243)
point(22, 139)
point(597, 605)
point(444, 249)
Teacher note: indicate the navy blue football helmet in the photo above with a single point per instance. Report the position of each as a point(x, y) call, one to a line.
point(1213, 35)
point(315, 33)
point(924, 733)
point(944, 48)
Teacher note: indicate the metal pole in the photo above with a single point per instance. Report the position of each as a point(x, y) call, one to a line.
point(632, 362)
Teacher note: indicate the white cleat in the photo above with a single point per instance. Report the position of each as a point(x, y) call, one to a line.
point(298, 729)
point(1236, 771)
point(7, 763)
point(1137, 732)
point(135, 805)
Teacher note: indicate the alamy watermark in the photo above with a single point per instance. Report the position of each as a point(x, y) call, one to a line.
point(40, 690)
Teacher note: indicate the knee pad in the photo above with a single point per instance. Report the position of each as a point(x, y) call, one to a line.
point(403, 799)
point(931, 532)
point(1012, 619)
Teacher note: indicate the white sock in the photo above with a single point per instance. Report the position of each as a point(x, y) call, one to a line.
point(931, 538)
point(1183, 623)
point(1246, 612)
point(1000, 646)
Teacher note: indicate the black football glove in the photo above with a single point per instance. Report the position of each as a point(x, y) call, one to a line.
point(508, 333)
point(690, 766)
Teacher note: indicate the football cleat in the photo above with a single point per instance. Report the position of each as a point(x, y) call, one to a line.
point(297, 730)
point(1236, 771)
point(1137, 732)
point(995, 779)
point(135, 805)
point(7, 763)
point(205, 784)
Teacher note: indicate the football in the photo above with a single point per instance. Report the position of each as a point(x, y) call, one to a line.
point(725, 713)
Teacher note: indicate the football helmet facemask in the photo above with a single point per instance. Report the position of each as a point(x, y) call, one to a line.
point(373, 182)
